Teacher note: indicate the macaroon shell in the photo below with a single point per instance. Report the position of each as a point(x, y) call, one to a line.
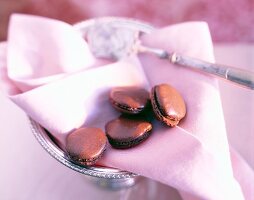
point(156, 110)
point(168, 105)
point(170, 102)
point(129, 100)
point(127, 129)
point(86, 143)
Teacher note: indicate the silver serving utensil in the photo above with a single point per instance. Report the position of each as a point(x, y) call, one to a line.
point(115, 38)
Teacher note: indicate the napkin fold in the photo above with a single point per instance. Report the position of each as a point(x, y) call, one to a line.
point(39, 59)
point(60, 94)
point(48, 71)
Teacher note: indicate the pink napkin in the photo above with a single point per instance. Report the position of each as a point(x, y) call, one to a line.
point(48, 71)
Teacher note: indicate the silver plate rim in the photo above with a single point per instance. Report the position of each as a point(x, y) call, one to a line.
point(46, 142)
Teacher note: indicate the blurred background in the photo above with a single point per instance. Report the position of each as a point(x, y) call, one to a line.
point(229, 20)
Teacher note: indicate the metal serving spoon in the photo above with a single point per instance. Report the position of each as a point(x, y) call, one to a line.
point(114, 38)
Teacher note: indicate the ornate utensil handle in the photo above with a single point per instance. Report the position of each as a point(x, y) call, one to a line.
point(241, 77)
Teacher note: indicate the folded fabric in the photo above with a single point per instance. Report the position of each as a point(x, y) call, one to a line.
point(50, 73)
point(38, 59)
point(59, 94)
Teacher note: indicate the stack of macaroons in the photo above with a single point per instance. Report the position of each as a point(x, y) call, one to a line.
point(86, 145)
point(132, 127)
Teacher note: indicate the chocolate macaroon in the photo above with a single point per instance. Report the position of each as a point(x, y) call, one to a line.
point(86, 145)
point(168, 105)
point(127, 131)
point(129, 100)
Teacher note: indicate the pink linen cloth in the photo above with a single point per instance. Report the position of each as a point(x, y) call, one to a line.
point(48, 71)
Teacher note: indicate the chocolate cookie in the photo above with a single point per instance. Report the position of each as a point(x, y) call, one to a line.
point(127, 131)
point(168, 105)
point(86, 145)
point(129, 100)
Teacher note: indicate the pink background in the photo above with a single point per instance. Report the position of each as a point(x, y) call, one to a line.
point(229, 20)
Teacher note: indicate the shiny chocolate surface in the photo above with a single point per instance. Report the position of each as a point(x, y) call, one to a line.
point(168, 104)
point(85, 145)
point(131, 100)
point(127, 131)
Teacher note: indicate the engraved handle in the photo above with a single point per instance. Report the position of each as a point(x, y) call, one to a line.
point(241, 77)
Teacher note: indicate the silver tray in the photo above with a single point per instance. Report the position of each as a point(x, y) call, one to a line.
point(50, 146)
